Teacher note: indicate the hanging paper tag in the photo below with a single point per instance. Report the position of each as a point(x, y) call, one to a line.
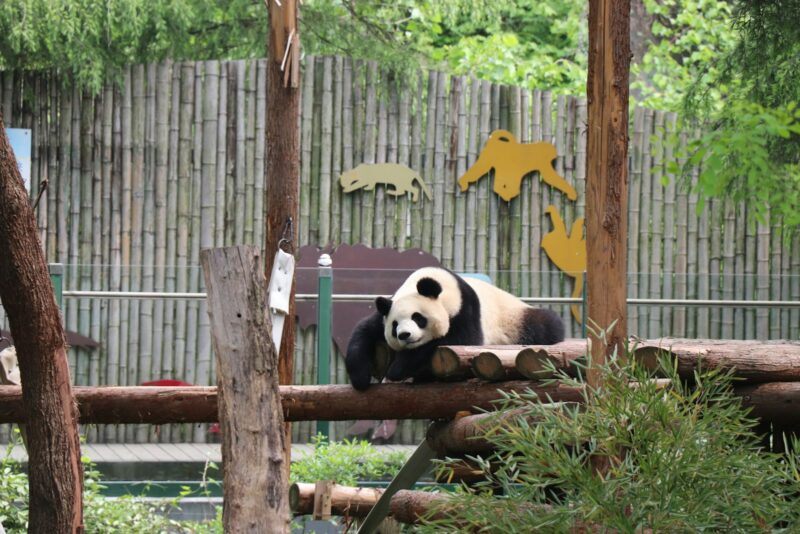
point(280, 289)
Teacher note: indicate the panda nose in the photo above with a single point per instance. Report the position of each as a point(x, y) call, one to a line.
point(404, 335)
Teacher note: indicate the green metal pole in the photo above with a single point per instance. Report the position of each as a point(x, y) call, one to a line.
point(57, 279)
point(324, 319)
point(583, 308)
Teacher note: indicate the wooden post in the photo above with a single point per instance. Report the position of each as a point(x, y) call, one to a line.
point(607, 175)
point(283, 159)
point(55, 474)
point(249, 405)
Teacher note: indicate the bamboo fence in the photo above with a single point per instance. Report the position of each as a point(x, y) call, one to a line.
point(170, 160)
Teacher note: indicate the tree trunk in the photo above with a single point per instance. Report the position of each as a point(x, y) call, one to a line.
point(249, 401)
point(607, 176)
point(283, 162)
point(55, 474)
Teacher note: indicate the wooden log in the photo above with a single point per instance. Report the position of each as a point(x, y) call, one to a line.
point(249, 400)
point(464, 435)
point(345, 500)
point(532, 361)
point(160, 405)
point(455, 361)
point(407, 506)
point(752, 360)
point(496, 365)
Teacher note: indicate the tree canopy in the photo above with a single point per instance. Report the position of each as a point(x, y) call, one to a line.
point(732, 67)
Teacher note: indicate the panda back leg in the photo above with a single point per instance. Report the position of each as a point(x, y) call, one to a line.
point(361, 350)
point(541, 327)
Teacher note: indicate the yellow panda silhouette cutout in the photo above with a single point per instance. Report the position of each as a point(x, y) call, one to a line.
point(567, 251)
point(511, 161)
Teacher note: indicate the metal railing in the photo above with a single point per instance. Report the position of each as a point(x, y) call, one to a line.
point(75, 294)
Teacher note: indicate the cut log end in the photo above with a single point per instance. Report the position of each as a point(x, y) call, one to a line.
point(488, 366)
point(536, 364)
point(445, 362)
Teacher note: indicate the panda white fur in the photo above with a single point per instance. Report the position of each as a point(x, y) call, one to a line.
point(434, 307)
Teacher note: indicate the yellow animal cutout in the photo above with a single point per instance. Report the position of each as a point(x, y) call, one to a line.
point(568, 252)
point(511, 161)
point(366, 176)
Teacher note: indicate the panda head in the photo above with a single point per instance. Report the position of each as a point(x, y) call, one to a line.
point(417, 318)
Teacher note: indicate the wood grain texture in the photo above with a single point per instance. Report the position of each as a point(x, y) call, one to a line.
point(249, 402)
point(607, 174)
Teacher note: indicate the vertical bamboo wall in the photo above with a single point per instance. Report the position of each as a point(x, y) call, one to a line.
point(171, 160)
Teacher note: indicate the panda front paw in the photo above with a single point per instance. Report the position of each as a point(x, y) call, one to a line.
point(360, 381)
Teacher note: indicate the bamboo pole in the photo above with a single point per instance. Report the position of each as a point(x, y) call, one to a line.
point(220, 200)
point(715, 263)
point(259, 167)
point(392, 202)
point(138, 111)
point(306, 130)
point(316, 148)
point(368, 198)
point(417, 100)
point(146, 333)
point(194, 308)
point(430, 175)
point(669, 220)
point(471, 230)
point(379, 216)
point(439, 156)
point(682, 231)
point(168, 358)
point(483, 186)
point(762, 277)
point(83, 231)
point(645, 265)
point(336, 155)
point(656, 327)
point(250, 151)
point(347, 148)
point(727, 282)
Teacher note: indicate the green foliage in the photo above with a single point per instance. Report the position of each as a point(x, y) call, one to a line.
point(736, 160)
point(682, 459)
point(101, 514)
point(346, 462)
point(690, 37)
point(523, 42)
point(91, 39)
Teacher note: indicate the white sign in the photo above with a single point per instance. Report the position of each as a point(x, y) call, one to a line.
point(21, 146)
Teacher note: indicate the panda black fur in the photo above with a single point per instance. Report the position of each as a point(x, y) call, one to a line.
point(434, 307)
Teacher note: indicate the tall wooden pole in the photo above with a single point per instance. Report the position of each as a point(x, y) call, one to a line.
point(607, 174)
point(255, 478)
point(283, 158)
point(55, 474)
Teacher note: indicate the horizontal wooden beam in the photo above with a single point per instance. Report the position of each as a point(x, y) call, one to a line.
point(757, 361)
point(407, 506)
point(161, 405)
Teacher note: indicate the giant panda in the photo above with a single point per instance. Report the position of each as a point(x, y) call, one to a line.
point(434, 307)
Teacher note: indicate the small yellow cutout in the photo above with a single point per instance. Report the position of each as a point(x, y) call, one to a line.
point(367, 175)
point(568, 252)
point(511, 161)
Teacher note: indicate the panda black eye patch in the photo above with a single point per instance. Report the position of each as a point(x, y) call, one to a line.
point(394, 328)
point(421, 321)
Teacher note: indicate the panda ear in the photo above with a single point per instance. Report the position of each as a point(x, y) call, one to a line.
point(428, 287)
point(384, 305)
